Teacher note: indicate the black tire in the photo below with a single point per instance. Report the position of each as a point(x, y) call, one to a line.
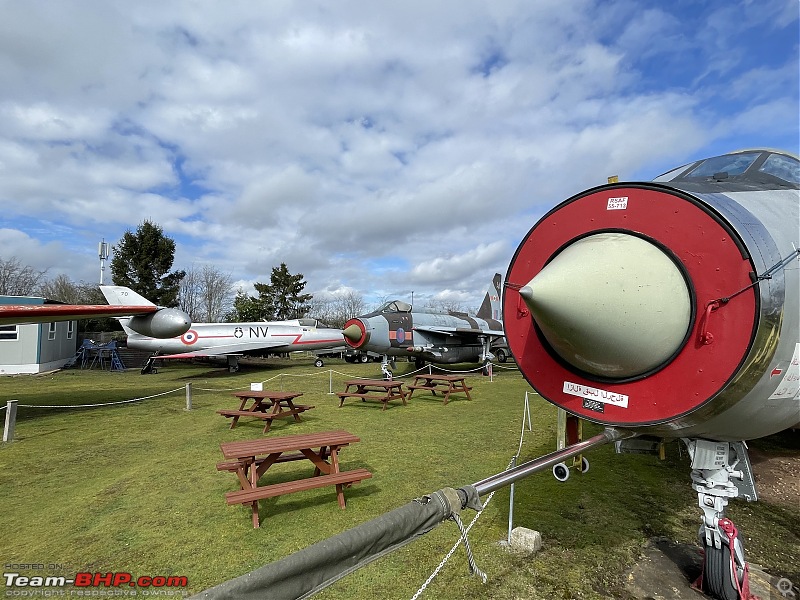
point(718, 578)
point(350, 359)
point(501, 355)
point(364, 358)
point(318, 363)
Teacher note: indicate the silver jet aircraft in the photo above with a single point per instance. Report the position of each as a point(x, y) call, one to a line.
point(398, 329)
point(231, 340)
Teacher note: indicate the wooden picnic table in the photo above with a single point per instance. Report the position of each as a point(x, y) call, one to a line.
point(266, 405)
point(250, 459)
point(382, 390)
point(451, 384)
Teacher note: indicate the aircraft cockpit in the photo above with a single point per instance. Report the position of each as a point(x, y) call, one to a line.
point(395, 306)
point(740, 169)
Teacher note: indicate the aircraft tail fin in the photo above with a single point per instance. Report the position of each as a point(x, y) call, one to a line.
point(491, 307)
point(118, 295)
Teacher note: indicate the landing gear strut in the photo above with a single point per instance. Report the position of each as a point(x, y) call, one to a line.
point(715, 466)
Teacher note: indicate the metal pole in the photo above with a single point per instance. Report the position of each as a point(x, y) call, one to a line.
point(11, 420)
point(330, 382)
point(189, 396)
point(511, 503)
point(505, 478)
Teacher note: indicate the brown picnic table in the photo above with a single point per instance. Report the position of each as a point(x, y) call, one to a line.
point(250, 459)
point(382, 390)
point(449, 384)
point(266, 405)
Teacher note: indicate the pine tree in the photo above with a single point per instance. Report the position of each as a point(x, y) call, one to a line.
point(142, 262)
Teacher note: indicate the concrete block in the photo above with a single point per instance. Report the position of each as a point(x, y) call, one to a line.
point(525, 540)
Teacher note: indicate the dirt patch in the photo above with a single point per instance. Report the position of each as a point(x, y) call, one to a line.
point(777, 476)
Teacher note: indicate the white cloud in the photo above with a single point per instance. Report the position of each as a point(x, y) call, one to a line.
point(370, 147)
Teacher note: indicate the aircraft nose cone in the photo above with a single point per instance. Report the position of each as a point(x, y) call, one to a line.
point(352, 333)
point(355, 333)
point(612, 305)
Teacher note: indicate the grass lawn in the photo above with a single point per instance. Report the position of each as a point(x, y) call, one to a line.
point(134, 487)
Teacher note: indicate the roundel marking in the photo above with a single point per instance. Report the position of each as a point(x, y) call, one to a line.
point(190, 337)
point(401, 335)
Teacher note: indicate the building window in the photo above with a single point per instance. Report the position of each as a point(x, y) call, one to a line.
point(9, 333)
point(51, 331)
point(70, 329)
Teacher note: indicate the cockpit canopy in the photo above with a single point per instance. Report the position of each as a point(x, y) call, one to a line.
point(757, 167)
point(395, 306)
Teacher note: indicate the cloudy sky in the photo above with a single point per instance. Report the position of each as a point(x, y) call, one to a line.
point(381, 147)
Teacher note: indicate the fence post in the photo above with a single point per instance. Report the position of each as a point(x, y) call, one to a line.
point(11, 420)
point(189, 396)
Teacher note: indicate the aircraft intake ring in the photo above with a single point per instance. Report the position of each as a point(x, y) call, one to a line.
point(609, 305)
point(355, 333)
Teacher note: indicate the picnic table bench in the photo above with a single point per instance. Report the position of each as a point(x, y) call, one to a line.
point(250, 459)
point(382, 390)
point(451, 384)
point(267, 406)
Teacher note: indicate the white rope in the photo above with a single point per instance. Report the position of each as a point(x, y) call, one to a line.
point(4, 407)
point(102, 404)
point(455, 546)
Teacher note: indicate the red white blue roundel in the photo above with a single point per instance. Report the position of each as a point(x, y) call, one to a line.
point(190, 337)
point(401, 335)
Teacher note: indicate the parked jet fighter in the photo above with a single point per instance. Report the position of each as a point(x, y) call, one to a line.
point(397, 329)
point(670, 310)
point(231, 340)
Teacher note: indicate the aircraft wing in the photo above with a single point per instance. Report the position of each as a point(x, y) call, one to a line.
point(459, 331)
point(21, 314)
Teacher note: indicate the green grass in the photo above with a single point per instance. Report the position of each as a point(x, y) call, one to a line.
point(134, 487)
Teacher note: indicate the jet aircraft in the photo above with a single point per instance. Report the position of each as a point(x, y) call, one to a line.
point(398, 329)
point(660, 310)
point(231, 340)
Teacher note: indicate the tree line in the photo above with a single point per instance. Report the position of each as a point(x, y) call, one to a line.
point(143, 260)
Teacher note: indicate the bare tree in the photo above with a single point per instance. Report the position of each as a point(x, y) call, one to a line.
point(63, 289)
point(217, 297)
point(206, 294)
point(189, 295)
point(338, 309)
point(17, 279)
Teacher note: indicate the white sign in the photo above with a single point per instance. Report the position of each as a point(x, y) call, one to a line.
point(789, 387)
point(256, 387)
point(590, 393)
point(617, 203)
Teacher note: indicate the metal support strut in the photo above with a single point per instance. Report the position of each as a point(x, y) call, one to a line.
point(720, 471)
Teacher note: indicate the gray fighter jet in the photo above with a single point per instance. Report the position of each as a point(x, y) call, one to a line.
point(398, 329)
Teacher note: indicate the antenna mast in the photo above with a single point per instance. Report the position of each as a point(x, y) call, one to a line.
point(102, 252)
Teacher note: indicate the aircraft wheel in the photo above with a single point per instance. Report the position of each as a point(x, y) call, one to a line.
point(501, 355)
point(584, 464)
point(719, 579)
point(364, 358)
point(318, 362)
point(561, 472)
